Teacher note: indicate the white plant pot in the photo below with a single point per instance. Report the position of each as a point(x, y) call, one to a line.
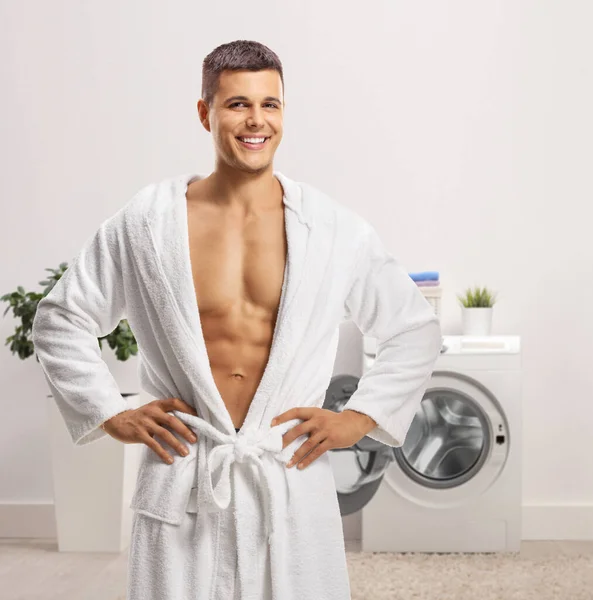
point(477, 321)
point(93, 487)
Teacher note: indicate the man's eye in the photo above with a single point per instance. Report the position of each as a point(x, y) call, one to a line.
point(268, 104)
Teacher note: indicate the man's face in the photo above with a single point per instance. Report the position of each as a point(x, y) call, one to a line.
point(257, 113)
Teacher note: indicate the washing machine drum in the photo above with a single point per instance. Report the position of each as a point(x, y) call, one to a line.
point(359, 469)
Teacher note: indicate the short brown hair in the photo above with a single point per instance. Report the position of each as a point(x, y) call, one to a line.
point(234, 56)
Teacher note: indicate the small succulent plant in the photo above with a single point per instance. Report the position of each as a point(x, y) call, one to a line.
point(477, 298)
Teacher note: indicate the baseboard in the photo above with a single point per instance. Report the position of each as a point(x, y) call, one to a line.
point(34, 520)
point(554, 522)
point(540, 522)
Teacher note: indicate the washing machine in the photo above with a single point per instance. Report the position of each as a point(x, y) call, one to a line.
point(455, 484)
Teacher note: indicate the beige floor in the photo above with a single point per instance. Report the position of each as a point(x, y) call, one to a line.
point(33, 569)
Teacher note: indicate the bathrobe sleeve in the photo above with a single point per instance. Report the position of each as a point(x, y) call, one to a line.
point(385, 303)
point(87, 302)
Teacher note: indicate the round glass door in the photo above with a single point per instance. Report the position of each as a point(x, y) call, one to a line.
point(448, 440)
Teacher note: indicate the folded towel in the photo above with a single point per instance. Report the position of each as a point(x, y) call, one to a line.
point(425, 276)
point(427, 283)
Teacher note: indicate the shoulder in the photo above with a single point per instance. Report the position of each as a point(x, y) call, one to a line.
point(146, 204)
point(329, 210)
point(154, 197)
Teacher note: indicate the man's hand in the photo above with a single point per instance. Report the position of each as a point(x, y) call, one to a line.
point(327, 429)
point(140, 424)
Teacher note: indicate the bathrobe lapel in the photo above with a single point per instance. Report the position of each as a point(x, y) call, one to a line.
point(168, 228)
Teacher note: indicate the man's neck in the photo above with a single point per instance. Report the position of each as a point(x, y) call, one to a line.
point(243, 191)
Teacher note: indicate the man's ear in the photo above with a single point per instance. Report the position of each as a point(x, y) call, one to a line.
point(203, 114)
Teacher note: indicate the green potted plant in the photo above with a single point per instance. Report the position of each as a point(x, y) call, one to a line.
point(92, 483)
point(24, 306)
point(477, 305)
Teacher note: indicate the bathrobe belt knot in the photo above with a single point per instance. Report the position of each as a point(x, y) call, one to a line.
point(247, 446)
point(243, 450)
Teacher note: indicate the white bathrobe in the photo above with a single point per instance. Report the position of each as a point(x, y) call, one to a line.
point(137, 266)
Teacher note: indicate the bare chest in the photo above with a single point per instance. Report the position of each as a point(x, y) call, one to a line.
point(237, 263)
point(238, 267)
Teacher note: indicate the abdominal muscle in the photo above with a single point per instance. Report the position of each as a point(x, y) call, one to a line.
point(238, 350)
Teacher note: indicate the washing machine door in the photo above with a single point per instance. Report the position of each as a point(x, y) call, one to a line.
point(451, 435)
point(358, 470)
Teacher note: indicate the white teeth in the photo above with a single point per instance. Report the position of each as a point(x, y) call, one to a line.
point(253, 140)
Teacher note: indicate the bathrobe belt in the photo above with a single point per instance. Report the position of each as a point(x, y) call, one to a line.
point(246, 446)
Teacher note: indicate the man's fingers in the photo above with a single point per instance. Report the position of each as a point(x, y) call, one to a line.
point(292, 413)
point(162, 416)
point(294, 432)
point(297, 412)
point(170, 404)
point(310, 446)
point(158, 449)
point(176, 424)
point(314, 454)
point(169, 438)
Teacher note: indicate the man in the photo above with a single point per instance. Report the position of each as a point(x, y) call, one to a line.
point(234, 285)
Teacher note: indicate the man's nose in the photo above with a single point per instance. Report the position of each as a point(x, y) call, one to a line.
point(255, 118)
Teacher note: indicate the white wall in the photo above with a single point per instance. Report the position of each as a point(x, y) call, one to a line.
point(462, 130)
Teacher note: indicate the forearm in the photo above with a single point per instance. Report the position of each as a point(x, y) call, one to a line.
point(364, 422)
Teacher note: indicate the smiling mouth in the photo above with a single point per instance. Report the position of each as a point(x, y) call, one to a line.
point(251, 146)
